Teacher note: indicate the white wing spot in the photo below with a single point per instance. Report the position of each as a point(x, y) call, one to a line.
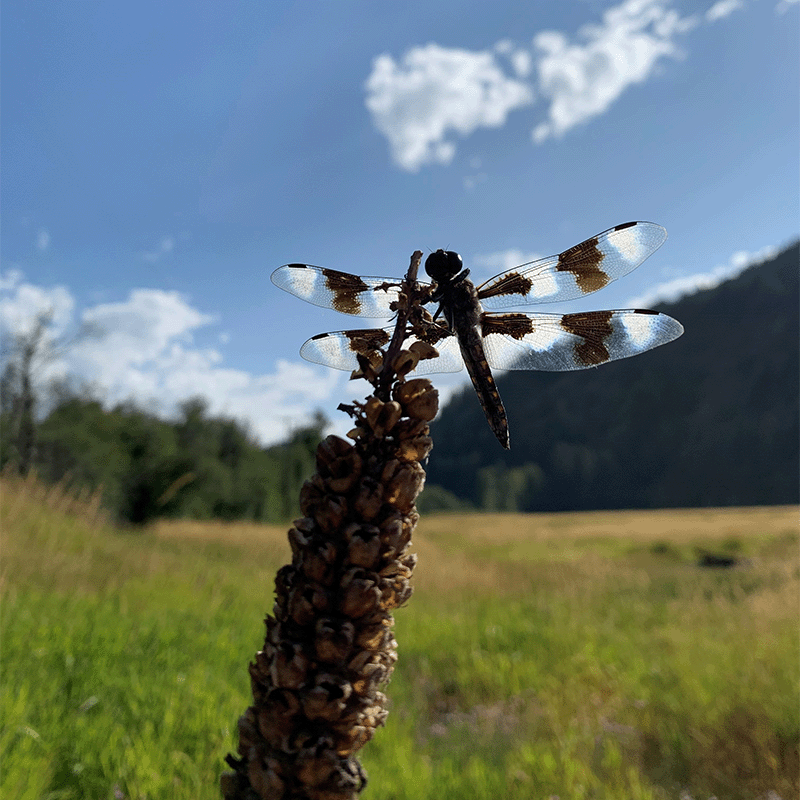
point(629, 245)
point(305, 282)
point(640, 328)
point(547, 285)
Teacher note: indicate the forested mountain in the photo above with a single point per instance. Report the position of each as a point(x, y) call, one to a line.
point(708, 420)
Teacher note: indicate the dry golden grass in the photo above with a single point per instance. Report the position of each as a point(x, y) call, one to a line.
point(249, 536)
point(567, 551)
point(486, 553)
point(678, 526)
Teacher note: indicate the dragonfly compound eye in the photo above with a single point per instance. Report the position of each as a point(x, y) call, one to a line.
point(442, 265)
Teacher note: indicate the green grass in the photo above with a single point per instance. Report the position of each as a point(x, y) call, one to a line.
point(569, 655)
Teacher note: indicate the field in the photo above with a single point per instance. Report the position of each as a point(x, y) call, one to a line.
point(561, 655)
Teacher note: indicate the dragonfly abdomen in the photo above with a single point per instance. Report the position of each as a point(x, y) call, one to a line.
point(471, 343)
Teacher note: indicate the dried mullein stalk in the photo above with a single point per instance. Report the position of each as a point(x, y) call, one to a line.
point(329, 647)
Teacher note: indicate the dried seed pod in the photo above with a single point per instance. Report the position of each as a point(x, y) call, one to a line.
point(327, 698)
point(355, 433)
point(417, 448)
point(369, 365)
point(329, 645)
point(264, 780)
point(248, 730)
point(364, 549)
point(331, 450)
point(399, 568)
point(423, 350)
point(278, 717)
point(352, 738)
point(333, 640)
point(316, 765)
point(418, 397)
point(317, 564)
point(339, 464)
point(284, 581)
point(260, 670)
point(405, 485)
point(370, 676)
point(405, 362)
point(369, 500)
point(289, 668)
point(409, 428)
point(360, 593)
point(298, 540)
point(374, 637)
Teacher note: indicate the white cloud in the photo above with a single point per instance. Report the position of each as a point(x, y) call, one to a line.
point(582, 79)
point(434, 92)
point(785, 5)
point(490, 264)
point(722, 9)
point(166, 245)
point(143, 349)
point(519, 58)
point(522, 61)
point(142, 327)
point(9, 279)
point(21, 304)
point(42, 239)
point(689, 284)
point(22, 307)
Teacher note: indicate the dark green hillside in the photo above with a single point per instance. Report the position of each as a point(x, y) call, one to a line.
point(708, 420)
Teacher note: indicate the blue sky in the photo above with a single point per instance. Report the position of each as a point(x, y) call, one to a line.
point(161, 159)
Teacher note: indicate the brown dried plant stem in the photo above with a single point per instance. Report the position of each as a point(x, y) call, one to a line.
point(329, 646)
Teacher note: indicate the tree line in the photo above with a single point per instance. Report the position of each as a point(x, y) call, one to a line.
point(197, 466)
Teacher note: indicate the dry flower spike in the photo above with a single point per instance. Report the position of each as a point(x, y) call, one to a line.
point(329, 647)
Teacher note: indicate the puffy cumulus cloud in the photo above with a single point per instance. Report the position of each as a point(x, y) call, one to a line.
point(722, 9)
point(785, 5)
point(582, 78)
point(22, 304)
point(143, 326)
point(672, 290)
point(142, 349)
point(434, 92)
point(519, 58)
point(10, 278)
point(490, 264)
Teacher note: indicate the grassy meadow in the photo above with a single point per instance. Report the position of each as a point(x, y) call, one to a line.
point(575, 656)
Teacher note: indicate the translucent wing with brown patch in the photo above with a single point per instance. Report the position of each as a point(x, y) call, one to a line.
point(556, 342)
point(341, 291)
point(581, 270)
point(339, 348)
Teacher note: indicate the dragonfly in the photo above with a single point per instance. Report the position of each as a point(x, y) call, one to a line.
point(477, 331)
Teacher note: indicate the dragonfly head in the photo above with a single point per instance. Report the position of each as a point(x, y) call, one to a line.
point(443, 265)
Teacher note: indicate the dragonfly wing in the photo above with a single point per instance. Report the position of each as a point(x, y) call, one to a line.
point(559, 342)
point(339, 350)
point(585, 268)
point(341, 291)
